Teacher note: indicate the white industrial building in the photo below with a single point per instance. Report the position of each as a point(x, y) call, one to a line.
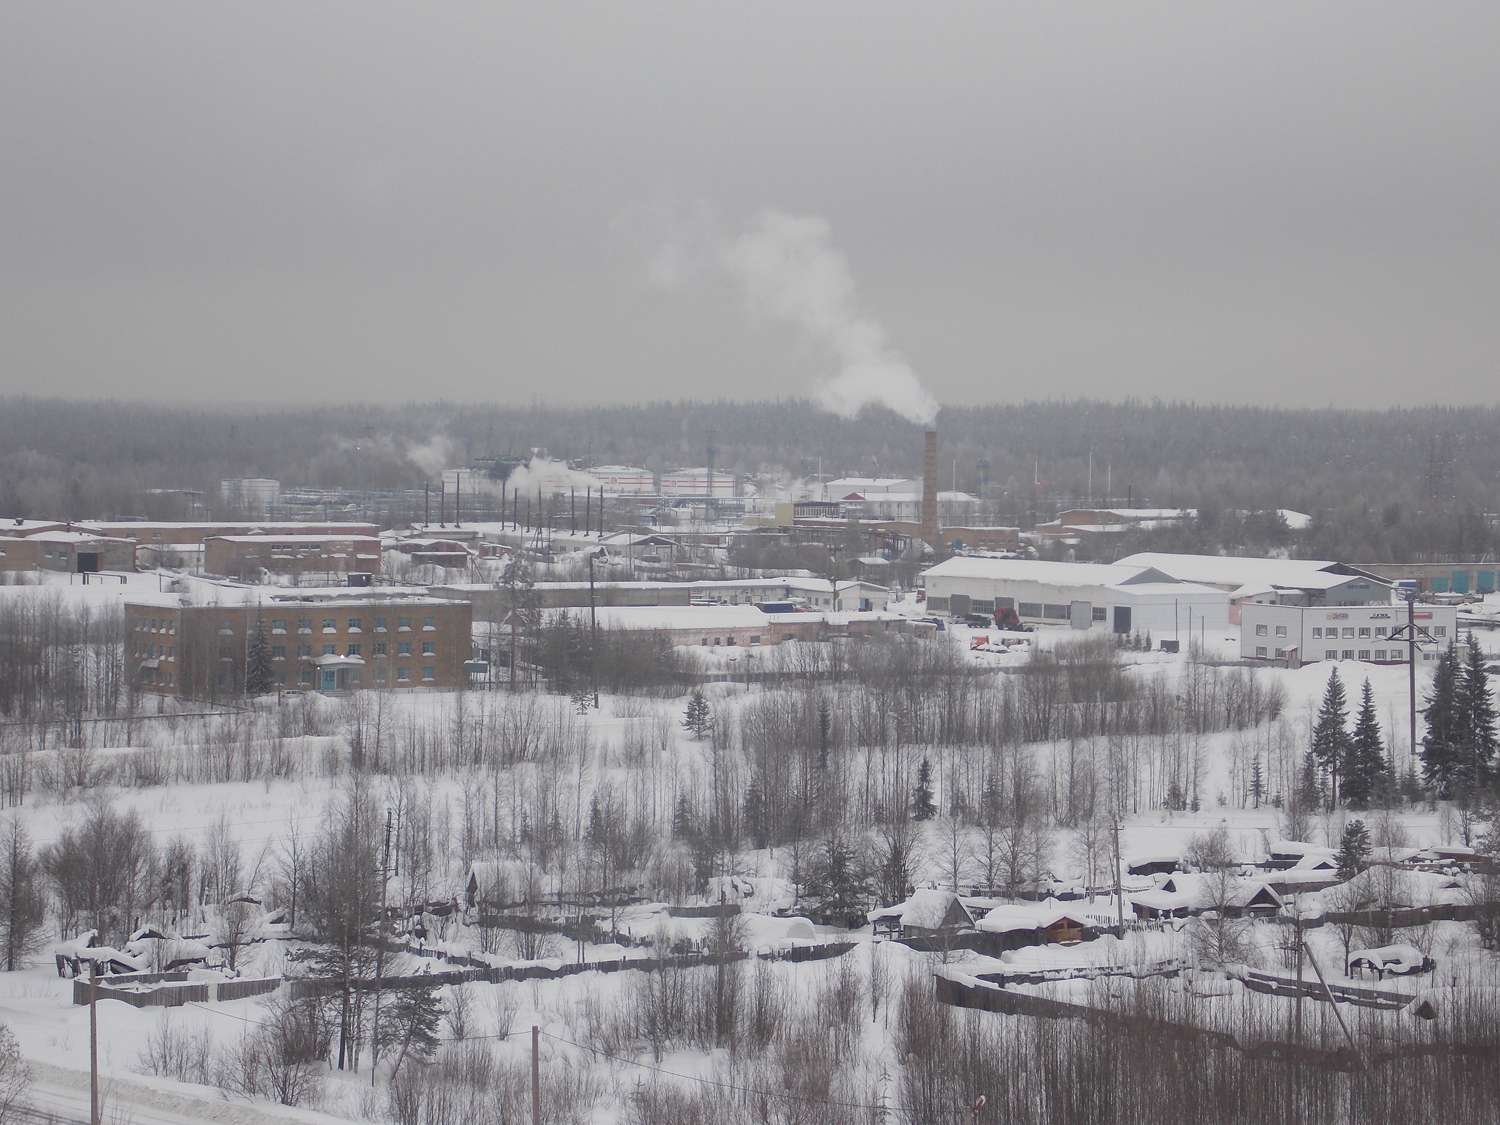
point(1298, 634)
point(624, 480)
point(1307, 582)
point(1122, 599)
point(695, 482)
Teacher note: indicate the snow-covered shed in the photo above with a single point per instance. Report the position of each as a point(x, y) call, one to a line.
point(1021, 924)
point(927, 913)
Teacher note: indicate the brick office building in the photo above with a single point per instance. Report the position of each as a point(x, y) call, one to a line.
point(324, 556)
point(316, 644)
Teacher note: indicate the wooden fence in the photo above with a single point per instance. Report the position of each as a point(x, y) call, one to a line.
point(171, 990)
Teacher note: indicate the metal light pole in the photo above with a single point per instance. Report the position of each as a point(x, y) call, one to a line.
point(594, 630)
point(93, 1042)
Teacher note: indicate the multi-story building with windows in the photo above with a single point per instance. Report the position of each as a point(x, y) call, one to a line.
point(327, 644)
point(1298, 634)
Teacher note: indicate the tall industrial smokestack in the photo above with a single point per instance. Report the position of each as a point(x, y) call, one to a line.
point(929, 492)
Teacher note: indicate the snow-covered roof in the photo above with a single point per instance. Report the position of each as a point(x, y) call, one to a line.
point(927, 909)
point(1392, 958)
point(679, 617)
point(1025, 916)
point(73, 537)
point(274, 538)
point(1225, 570)
point(1048, 573)
point(1300, 848)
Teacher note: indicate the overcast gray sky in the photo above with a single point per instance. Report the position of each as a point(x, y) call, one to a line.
point(1269, 203)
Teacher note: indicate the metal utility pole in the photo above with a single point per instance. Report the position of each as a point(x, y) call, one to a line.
point(536, 1075)
point(93, 1042)
point(1414, 637)
point(593, 632)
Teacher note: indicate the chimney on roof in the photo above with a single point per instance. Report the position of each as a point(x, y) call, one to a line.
point(929, 492)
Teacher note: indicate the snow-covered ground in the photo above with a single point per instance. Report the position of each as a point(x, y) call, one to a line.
point(636, 750)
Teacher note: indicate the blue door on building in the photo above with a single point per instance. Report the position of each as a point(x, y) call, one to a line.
point(330, 679)
point(1460, 581)
point(1486, 582)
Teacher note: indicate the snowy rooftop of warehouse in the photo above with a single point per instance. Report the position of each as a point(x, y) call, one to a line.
point(23, 528)
point(73, 537)
point(277, 537)
point(249, 527)
point(677, 617)
point(1223, 570)
point(1050, 573)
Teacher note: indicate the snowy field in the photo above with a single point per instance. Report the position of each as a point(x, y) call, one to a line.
point(527, 837)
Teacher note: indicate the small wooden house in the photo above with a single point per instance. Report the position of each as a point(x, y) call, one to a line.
point(1014, 926)
point(927, 914)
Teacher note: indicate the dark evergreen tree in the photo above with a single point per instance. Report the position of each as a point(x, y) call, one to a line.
point(1330, 736)
point(1176, 799)
point(757, 815)
point(1366, 775)
point(1354, 849)
point(837, 883)
point(699, 718)
point(259, 678)
point(682, 820)
point(1257, 781)
point(1441, 744)
point(1476, 739)
point(922, 805)
point(1309, 789)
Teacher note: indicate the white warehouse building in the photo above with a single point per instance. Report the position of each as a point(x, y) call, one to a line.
point(1299, 634)
point(1121, 599)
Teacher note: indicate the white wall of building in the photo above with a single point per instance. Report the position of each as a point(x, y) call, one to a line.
point(1306, 634)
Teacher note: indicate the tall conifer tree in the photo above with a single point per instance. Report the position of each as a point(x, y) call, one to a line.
point(1366, 776)
point(1441, 744)
point(1476, 722)
point(258, 676)
point(1330, 736)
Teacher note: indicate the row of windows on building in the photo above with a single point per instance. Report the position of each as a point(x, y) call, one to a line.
point(355, 678)
point(304, 624)
point(1379, 655)
point(331, 624)
point(378, 649)
point(1348, 633)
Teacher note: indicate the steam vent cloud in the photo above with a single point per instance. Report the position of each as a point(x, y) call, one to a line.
point(789, 270)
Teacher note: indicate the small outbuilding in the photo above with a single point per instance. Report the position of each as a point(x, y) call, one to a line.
point(928, 913)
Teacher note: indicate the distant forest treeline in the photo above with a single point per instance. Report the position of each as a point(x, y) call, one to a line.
point(1393, 485)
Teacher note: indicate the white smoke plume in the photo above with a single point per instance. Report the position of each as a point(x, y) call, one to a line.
point(433, 455)
point(549, 476)
point(789, 270)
